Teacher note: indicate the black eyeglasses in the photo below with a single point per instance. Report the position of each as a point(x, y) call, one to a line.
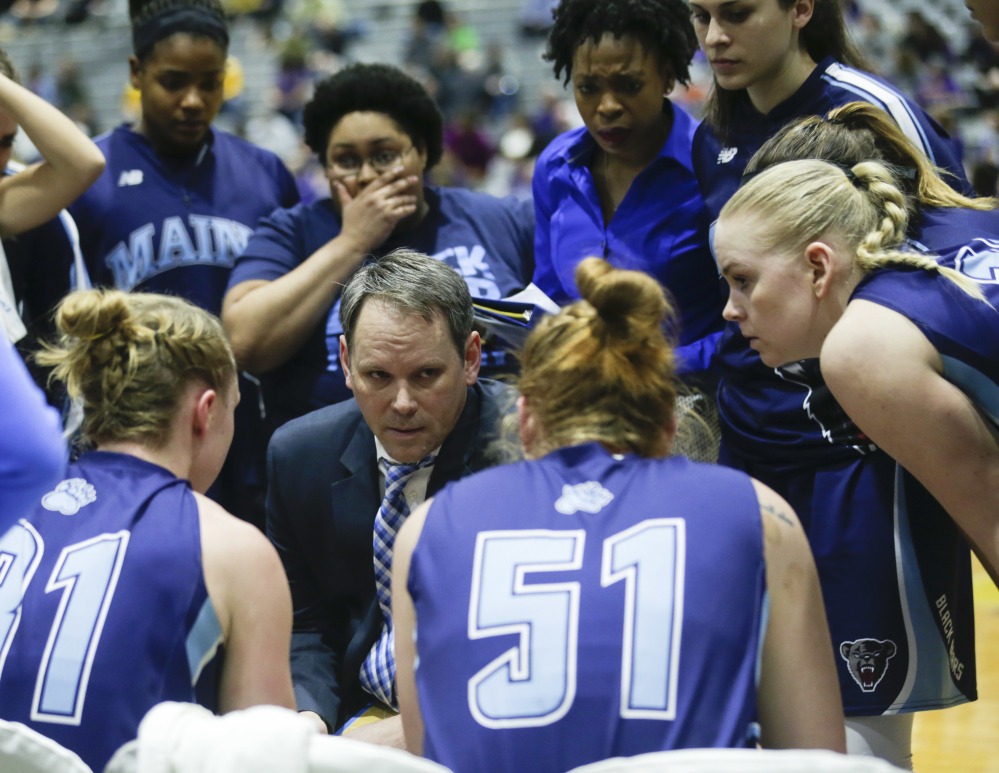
point(7, 141)
point(350, 164)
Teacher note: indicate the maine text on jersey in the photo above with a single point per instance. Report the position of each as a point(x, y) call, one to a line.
point(205, 239)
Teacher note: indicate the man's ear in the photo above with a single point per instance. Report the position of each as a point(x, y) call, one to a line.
point(820, 258)
point(201, 419)
point(345, 362)
point(473, 357)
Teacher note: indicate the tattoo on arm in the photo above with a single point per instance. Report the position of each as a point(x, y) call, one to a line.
point(778, 513)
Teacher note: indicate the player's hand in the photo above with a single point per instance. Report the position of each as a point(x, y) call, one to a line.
point(371, 215)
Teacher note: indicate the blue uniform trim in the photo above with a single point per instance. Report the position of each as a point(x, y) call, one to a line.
point(204, 640)
point(764, 621)
point(925, 687)
point(979, 387)
point(869, 89)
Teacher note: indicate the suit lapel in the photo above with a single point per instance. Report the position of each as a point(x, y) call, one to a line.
point(355, 497)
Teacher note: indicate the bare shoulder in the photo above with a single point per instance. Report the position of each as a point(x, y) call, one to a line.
point(867, 339)
point(785, 544)
point(226, 536)
point(237, 559)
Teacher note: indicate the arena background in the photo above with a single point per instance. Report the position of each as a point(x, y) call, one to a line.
point(502, 105)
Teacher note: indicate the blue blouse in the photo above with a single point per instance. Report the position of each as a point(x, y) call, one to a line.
point(660, 227)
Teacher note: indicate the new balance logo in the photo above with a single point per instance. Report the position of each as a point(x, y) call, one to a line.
point(130, 177)
point(727, 154)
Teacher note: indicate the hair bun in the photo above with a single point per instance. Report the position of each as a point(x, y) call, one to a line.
point(93, 314)
point(622, 299)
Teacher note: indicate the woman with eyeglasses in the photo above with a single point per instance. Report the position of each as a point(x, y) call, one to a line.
point(376, 131)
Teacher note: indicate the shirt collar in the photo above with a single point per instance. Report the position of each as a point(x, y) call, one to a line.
point(678, 146)
point(381, 453)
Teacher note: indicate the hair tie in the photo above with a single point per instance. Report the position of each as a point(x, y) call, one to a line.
point(187, 18)
point(857, 182)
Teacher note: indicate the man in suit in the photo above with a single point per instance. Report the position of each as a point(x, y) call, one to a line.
point(411, 358)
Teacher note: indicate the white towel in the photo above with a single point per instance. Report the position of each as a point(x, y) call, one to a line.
point(186, 738)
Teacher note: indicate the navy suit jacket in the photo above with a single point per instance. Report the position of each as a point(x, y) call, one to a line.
point(322, 497)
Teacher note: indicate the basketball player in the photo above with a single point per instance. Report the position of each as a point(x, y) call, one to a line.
point(605, 599)
point(907, 347)
point(126, 586)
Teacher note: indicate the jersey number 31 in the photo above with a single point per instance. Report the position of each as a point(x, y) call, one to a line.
point(86, 575)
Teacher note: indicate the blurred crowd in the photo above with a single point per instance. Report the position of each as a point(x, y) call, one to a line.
point(494, 128)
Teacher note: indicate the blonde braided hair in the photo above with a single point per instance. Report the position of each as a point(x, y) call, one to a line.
point(804, 199)
point(130, 356)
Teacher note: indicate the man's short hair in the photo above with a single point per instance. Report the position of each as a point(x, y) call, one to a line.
point(412, 282)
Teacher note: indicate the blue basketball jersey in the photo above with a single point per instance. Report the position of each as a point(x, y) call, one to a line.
point(885, 550)
point(720, 162)
point(585, 606)
point(103, 606)
point(176, 225)
point(965, 331)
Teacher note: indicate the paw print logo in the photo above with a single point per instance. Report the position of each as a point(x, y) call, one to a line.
point(590, 497)
point(69, 496)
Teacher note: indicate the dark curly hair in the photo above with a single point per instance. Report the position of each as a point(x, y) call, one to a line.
point(662, 26)
point(376, 88)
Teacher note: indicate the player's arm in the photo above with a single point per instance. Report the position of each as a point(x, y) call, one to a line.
point(891, 384)
point(250, 594)
point(268, 321)
point(71, 162)
point(404, 620)
point(799, 699)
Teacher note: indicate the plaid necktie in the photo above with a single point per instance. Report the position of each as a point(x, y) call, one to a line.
point(378, 669)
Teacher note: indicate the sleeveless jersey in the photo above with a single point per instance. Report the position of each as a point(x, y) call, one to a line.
point(103, 606)
point(965, 332)
point(585, 606)
point(885, 550)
